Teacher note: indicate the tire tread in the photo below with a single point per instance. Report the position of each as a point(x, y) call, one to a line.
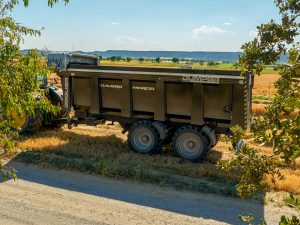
point(195, 129)
point(157, 147)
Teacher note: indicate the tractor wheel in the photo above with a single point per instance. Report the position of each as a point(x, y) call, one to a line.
point(144, 138)
point(55, 99)
point(26, 123)
point(190, 143)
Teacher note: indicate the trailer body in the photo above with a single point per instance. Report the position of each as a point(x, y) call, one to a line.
point(209, 101)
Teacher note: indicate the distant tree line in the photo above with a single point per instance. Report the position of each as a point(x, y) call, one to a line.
point(158, 60)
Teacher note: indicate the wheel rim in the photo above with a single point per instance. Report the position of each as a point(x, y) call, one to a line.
point(18, 121)
point(189, 145)
point(143, 139)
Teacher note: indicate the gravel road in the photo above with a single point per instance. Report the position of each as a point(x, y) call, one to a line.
point(46, 196)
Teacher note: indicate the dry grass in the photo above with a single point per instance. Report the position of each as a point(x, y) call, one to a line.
point(258, 109)
point(290, 183)
point(107, 142)
point(264, 85)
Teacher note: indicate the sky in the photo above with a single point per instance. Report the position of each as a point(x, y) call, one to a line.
point(169, 25)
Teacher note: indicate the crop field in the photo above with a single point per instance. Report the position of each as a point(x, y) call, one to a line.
point(103, 150)
point(195, 65)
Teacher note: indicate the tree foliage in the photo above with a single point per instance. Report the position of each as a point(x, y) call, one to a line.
point(19, 86)
point(279, 127)
point(175, 60)
point(141, 60)
point(251, 166)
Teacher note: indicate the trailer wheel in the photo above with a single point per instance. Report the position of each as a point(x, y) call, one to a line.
point(144, 138)
point(190, 143)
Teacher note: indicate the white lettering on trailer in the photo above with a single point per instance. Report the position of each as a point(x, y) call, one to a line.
point(143, 88)
point(111, 86)
point(201, 79)
point(115, 86)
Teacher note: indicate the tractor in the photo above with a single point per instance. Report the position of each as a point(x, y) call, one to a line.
point(31, 123)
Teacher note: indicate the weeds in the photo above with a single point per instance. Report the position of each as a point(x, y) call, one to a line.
point(293, 201)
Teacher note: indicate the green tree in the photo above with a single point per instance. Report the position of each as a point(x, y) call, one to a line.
point(113, 58)
point(128, 59)
point(201, 62)
point(119, 58)
point(141, 60)
point(158, 60)
point(211, 63)
point(19, 87)
point(279, 127)
point(175, 60)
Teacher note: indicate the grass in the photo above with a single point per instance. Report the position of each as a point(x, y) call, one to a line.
point(107, 142)
point(103, 150)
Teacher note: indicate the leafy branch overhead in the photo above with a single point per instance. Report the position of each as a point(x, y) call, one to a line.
point(279, 127)
point(274, 39)
point(19, 86)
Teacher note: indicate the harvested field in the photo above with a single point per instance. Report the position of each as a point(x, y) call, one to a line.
point(264, 85)
point(109, 144)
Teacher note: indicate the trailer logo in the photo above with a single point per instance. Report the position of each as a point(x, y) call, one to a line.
point(143, 88)
point(115, 86)
point(201, 79)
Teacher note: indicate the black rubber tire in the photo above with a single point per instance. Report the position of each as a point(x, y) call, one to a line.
point(51, 120)
point(200, 152)
point(145, 126)
point(207, 141)
point(33, 123)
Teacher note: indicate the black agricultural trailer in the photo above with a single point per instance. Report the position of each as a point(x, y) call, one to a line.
point(186, 108)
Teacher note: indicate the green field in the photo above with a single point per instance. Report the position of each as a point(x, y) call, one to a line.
point(223, 66)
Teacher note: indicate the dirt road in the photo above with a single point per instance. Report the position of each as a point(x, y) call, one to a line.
point(45, 196)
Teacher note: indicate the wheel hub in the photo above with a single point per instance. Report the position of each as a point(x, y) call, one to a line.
point(191, 144)
point(145, 138)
